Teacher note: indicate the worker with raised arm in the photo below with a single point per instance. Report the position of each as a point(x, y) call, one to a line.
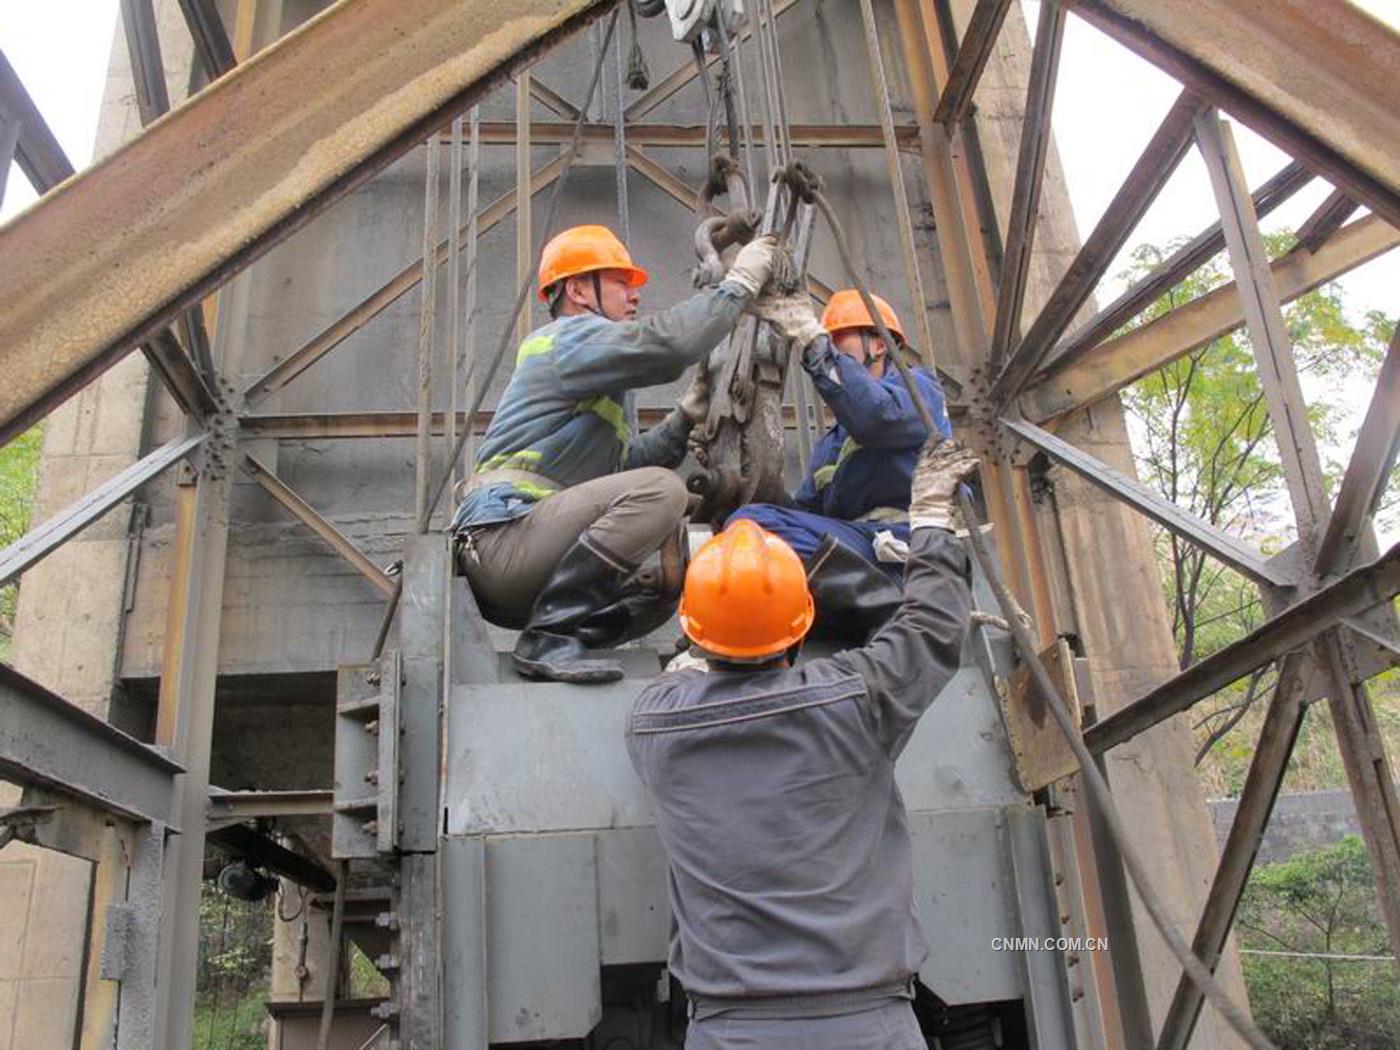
point(790, 877)
point(858, 485)
point(565, 504)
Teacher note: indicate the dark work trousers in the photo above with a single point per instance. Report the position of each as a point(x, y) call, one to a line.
point(888, 1027)
point(627, 515)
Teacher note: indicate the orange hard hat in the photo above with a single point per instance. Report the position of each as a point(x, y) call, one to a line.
point(845, 310)
point(746, 595)
point(584, 249)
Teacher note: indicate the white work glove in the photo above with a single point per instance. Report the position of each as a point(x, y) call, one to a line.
point(941, 468)
point(754, 264)
point(792, 315)
point(694, 404)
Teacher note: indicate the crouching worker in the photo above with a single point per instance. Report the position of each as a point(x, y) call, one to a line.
point(790, 877)
point(859, 480)
point(565, 504)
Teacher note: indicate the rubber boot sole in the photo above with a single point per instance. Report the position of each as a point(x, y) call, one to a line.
point(580, 672)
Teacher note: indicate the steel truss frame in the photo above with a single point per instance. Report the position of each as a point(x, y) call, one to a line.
point(1037, 378)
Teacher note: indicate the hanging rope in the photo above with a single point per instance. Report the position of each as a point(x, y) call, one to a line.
point(570, 152)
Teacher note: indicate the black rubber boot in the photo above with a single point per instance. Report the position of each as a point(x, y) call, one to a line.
point(853, 596)
point(646, 601)
point(584, 582)
point(633, 615)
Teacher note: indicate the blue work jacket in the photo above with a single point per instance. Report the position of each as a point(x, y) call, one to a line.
point(866, 460)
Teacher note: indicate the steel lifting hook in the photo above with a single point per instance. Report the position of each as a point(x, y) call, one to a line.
point(719, 230)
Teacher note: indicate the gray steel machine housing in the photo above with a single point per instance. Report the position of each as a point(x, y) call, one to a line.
point(552, 869)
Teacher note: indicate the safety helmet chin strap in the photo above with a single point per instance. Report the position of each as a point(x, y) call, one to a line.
point(559, 291)
point(867, 356)
point(597, 307)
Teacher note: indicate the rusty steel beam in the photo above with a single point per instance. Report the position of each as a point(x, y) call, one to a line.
point(1368, 471)
point(320, 426)
point(971, 59)
point(1231, 550)
point(1267, 767)
point(211, 42)
point(552, 101)
point(1318, 78)
point(283, 493)
point(1267, 330)
point(47, 741)
point(1154, 167)
point(1126, 359)
point(9, 142)
point(182, 377)
point(239, 167)
point(692, 136)
point(297, 362)
point(1325, 221)
point(41, 540)
point(1299, 624)
point(1183, 262)
point(147, 69)
point(37, 152)
point(1030, 173)
point(179, 374)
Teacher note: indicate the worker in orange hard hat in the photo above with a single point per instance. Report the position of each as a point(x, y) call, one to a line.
point(566, 504)
point(858, 484)
point(790, 875)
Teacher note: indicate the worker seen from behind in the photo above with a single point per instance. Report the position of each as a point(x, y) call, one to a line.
point(790, 876)
point(565, 504)
point(858, 485)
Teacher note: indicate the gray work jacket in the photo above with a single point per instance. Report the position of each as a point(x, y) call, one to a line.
point(790, 871)
point(563, 416)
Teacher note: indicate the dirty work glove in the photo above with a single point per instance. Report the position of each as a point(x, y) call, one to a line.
point(694, 404)
point(754, 264)
point(792, 315)
point(941, 468)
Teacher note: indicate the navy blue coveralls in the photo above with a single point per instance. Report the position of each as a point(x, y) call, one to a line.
point(862, 467)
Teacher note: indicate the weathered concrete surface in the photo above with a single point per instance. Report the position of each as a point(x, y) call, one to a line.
point(43, 925)
point(1301, 822)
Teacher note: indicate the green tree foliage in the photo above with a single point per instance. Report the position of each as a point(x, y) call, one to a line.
point(1203, 438)
point(19, 473)
point(1321, 903)
point(235, 965)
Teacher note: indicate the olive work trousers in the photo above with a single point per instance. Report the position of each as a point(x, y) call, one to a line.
point(628, 515)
